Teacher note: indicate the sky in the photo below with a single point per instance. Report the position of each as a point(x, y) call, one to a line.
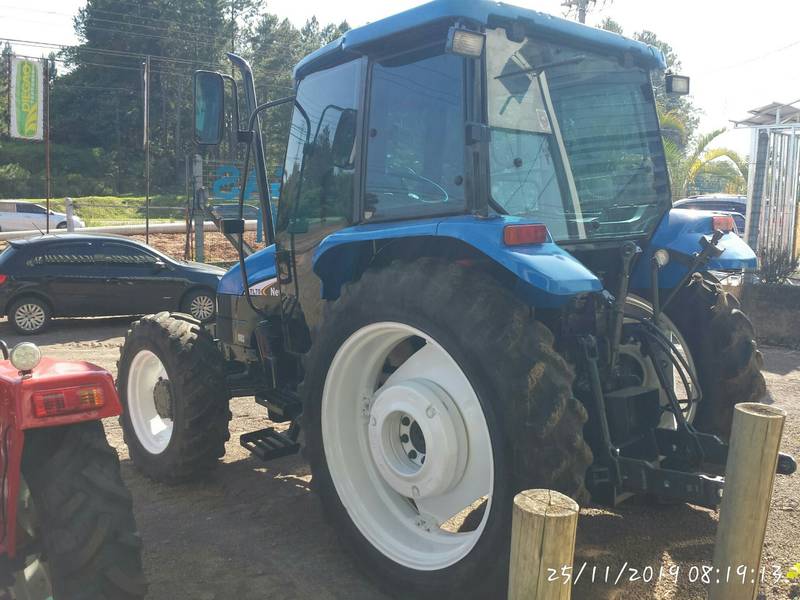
point(740, 55)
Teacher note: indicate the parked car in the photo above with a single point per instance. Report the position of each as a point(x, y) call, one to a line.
point(78, 275)
point(727, 203)
point(17, 215)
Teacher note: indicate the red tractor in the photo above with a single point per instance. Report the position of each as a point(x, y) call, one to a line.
point(67, 529)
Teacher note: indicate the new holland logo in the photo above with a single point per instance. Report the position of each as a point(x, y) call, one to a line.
point(26, 94)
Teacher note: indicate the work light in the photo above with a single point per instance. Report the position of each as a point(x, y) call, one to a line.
point(465, 42)
point(25, 356)
point(677, 84)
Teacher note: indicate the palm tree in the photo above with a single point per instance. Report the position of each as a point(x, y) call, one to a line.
point(687, 162)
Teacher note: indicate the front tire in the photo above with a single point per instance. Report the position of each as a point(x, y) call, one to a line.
point(172, 385)
point(84, 544)
point(443, 348)
point(722, 341)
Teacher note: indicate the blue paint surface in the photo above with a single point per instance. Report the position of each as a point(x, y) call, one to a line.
point(260, 267)
point(479, 12)
point(680, 231)
point(548, 275)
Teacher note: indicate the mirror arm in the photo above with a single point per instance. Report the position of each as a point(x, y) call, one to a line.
point(235, 89)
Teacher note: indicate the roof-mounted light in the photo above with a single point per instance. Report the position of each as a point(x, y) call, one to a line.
point(677, 84)
point(465, 42)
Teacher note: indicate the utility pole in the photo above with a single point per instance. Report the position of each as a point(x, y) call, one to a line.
point(581, 6)
point(46, 73)
point(147, 148)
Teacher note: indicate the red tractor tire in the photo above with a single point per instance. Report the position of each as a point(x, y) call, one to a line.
point(84, 525)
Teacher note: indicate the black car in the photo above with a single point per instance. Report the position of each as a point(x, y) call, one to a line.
point(80, 275)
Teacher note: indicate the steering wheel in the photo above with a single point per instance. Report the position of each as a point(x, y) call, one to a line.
point(409, 174)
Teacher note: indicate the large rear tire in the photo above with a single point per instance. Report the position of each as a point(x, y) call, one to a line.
point(172, 385)
point(722, 341)
point(80, 538)
point(442, 348)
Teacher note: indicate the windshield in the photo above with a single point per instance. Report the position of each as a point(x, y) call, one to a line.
point(575, 140)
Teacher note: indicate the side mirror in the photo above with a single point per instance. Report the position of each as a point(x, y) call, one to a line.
point(344, 139)
point(159, 265)
point(209, 107)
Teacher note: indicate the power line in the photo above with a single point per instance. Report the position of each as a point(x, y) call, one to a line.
point(127, 54)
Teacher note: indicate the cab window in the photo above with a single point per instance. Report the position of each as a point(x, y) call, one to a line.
point(415, 145)
point(319, 173)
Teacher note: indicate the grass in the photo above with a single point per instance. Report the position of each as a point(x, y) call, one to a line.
point(98, 211)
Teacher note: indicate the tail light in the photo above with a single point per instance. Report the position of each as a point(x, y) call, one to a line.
point(3, 278)
point(66, 401)
point(723, 223)
point(523, 235)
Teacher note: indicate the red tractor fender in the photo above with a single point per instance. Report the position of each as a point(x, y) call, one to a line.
point(55, 394)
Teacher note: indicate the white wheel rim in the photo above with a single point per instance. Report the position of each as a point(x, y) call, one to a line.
point(202, 307)
point(153, 432)
point(375, 474)
point(29, 317)
point(650, 379)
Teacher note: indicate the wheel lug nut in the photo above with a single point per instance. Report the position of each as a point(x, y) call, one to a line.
point(404, 438)
point(412, 454)
point(405, 421)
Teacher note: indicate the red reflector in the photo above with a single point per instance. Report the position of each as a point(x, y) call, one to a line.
point(3, 279)
point(723, 223)
point(522, 235)
point(70, 400)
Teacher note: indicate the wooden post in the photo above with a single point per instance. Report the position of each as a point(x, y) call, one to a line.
point(749, 476)
point(542, 537)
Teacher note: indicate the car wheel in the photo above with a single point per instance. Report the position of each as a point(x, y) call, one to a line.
point(62, 225)
point(29, 315)
point(201, 304)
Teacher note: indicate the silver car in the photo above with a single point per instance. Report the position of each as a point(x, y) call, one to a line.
point(18, 215)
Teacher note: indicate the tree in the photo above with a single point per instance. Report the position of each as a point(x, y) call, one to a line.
point(687, 164)
point(5, 86)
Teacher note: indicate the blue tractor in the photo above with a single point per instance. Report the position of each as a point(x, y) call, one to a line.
point(475, 284)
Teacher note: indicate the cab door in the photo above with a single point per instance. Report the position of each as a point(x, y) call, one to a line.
point(318, 192)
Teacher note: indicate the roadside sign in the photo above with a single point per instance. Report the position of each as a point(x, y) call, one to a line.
point(27, 99)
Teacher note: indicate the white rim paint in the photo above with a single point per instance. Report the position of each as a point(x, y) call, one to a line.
point(152, 431)
point(30, 317)
point(202, 307)
point(409, 455)
point(668, 420)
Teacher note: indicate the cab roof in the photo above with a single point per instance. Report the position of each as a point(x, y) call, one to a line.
point(478, 12)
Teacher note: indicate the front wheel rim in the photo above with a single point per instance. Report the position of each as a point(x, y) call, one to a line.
point(153, 431)
point(202, 307)
point(30, 316)
point(410, 456)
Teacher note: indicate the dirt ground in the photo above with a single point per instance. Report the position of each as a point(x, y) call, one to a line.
point(254, 531)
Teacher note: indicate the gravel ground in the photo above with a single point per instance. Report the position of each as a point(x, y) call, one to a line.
point(254, 531)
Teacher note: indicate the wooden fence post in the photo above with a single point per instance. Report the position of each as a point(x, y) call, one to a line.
point(542, 536)
point(749, 476)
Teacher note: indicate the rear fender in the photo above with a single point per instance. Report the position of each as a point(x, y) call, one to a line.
point(548, 275)
point(679, 232)
point(17, 415)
